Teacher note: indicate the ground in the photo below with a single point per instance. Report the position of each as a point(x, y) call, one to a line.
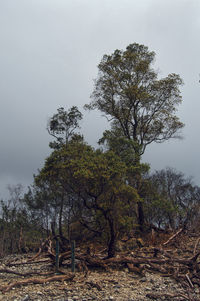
point(117, 282)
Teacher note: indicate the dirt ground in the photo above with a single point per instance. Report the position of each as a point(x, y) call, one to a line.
point(115, 283)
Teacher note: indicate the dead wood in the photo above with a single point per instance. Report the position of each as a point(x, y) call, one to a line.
point(41, 249)
point(9, 264)
point(124, 260)
point(64, 256)
point(165, 272)
point(94, 284)
point(173, 236)
point(189, 280)
point(91, 261)
point(8, 271)
point(168, 262)
point(5, 289)
point(136, 270)
point(82, 267)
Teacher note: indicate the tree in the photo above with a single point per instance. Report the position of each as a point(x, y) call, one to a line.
point(49, 202)
point(47, 199)
point(98, 182)
point(63, 126)
point(13, 221)
point(139, 105)
point(128, 91)
point(172, 200)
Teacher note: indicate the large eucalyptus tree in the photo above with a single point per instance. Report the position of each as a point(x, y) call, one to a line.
point(140, 107)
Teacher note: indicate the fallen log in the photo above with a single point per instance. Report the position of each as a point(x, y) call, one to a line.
point(5, 289)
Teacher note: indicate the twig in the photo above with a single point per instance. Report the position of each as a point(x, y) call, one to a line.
point(189, 281)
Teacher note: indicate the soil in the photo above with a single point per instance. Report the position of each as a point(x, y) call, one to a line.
point(118, 284)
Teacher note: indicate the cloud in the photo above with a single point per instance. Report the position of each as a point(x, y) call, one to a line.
point(49, 56)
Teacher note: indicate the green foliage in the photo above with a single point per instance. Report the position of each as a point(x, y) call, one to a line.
point(141, 107)
point(128, 91)
point(16, 224)
point(63, 125)
point(97, 180)
point(171, 199)
point(105, 193)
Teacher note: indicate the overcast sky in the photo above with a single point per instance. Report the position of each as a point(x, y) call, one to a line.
point(49, 52)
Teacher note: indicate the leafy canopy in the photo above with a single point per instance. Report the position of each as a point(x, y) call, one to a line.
point(128, 91)
point(63, 126)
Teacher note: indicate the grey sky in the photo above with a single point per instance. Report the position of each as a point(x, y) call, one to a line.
point(49, 52)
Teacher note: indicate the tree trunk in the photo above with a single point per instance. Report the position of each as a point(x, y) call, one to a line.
point(140, 210)
point(112, 241)
point(64, 240)
point(141, 216)
point(60, 219)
